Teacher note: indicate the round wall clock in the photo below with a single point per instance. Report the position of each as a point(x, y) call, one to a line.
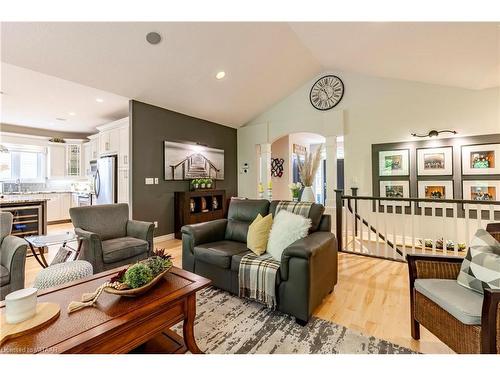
point(326, 92)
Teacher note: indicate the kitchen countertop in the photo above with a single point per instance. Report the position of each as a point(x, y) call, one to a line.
point(45, 192)
point(7, 200)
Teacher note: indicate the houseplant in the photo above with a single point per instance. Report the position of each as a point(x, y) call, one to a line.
point(295, 188)
point(307, 171)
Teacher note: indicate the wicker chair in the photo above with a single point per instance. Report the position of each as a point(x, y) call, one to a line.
point(460, 337)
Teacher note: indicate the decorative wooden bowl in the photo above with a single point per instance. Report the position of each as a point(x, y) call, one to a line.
point(137, 291)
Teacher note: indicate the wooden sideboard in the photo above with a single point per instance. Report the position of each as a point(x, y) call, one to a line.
point(197, 206)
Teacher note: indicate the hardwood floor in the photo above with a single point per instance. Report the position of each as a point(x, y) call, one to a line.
point(372, 296)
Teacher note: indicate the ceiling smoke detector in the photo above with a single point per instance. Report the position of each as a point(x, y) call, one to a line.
point(153, 37)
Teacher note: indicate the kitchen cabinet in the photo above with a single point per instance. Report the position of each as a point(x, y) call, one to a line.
point(53, 207)
point(73, 160)
point(87, 153)
point(123, 186)
point(109, 141)
point(57, 161)
point(58, 206)
point(123, 154)
point(94, 147)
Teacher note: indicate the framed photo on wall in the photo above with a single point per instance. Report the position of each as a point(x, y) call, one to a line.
point(485, 190)
point(481, 159)
point(434, 190)
point(435, 161)
point(394, 163)
point(394, 189)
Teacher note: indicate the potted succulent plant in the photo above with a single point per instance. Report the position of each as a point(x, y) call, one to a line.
point(203, 183)
point(195, 184)
point(209, 183)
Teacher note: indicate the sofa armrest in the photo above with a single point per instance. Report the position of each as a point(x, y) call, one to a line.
point(209, 231)
point(91, 250)
point(86, 235)
point(315, 245)
point(433, 267)
point(12, 252)
point(142, 230)
point(490, 322)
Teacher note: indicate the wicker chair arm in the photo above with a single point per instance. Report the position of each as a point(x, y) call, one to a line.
point(490, 321)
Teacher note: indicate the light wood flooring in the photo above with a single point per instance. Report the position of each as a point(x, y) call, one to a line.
point(372, 296)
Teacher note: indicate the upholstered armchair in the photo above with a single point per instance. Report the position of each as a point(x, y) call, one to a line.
point(108, 238)
point(12, 257)
point(463, 319)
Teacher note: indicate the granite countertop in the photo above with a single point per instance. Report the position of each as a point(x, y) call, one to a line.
point(13, 199)
point(14, 194)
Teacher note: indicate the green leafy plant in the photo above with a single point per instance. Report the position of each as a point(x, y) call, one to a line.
point(157, 264)
point(138, 275)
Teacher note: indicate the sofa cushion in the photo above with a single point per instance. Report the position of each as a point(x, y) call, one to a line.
point(287, 228)
point(464, 304)
point(481, 266)
point(4, 275)
point(219, 253)
point(107, 220)
point(258, 233)
point(240, 214)
point(118, 249)
point(315, 214)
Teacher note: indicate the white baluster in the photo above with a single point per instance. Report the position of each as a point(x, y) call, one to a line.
point(394, 230)
point(377, 241)
point(455, 229)
point(445, 249)
point(434, 239)
point(467, 225)
point(386, 250)
point(353, 226)
point(412, 205)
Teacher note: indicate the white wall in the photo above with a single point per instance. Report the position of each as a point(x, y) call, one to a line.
point(373, 110)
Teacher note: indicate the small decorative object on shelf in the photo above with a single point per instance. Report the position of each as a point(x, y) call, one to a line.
point(295, 188)
point(202, 183)
point(215, 203)
point(192, 205)
point(57, 140)
point(204, 204)
point(270, 190)
point(260, 188)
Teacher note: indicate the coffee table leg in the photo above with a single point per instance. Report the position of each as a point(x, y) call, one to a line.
point(33, 251)
point(188, 326)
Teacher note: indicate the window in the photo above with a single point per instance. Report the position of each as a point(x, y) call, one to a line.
point(23, 165)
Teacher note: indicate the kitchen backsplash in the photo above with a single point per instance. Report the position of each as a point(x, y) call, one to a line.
point(51, 185)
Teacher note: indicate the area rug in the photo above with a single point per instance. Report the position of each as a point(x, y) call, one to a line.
point(228, 324)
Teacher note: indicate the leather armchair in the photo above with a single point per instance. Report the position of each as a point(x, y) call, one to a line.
point(12, 257)
point(108, 238)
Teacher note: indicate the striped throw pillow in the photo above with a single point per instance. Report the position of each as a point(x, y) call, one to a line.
point(481, 267)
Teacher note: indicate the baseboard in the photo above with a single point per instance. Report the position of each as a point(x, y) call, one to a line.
point(164, 237)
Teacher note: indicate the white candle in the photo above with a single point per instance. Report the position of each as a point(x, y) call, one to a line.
point(20, 305)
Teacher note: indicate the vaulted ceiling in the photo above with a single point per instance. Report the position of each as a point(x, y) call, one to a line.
point(264, 62)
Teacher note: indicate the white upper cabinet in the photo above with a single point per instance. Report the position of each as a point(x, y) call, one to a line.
point(56, 161)
point(109, 141)
point(87, 157)
point(123, 157)
point(94, 147)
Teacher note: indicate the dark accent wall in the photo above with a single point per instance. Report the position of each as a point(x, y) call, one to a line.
point(149, 127)
point(456, 143)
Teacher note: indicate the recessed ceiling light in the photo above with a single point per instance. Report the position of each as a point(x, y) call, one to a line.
point(60, 119)
point(71, 113)
point(153, 37)
point(99, 100)
point(220, 75)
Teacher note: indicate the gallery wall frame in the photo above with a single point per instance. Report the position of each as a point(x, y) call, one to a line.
point(480, 159)
point(395, 189)
point(429, 188)
point(484, 190)
point(435, 161)
point(394, 162)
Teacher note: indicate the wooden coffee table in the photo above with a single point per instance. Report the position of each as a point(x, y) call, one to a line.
point(118, 324)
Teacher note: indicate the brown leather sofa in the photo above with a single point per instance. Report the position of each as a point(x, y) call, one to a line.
point(308, 269)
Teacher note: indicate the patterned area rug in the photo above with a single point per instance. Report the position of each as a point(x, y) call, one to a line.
point(228, 324)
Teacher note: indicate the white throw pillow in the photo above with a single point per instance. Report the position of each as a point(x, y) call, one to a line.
point(287, 228)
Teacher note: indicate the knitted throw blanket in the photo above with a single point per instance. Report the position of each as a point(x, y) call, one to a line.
point(257, 278)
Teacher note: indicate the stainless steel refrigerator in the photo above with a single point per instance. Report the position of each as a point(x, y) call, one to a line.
point(105, 181)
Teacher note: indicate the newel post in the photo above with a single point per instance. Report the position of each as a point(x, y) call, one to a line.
point(338, 217)
point(354, 193)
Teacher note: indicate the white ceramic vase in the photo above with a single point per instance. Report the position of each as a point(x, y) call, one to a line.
point(307, 194)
